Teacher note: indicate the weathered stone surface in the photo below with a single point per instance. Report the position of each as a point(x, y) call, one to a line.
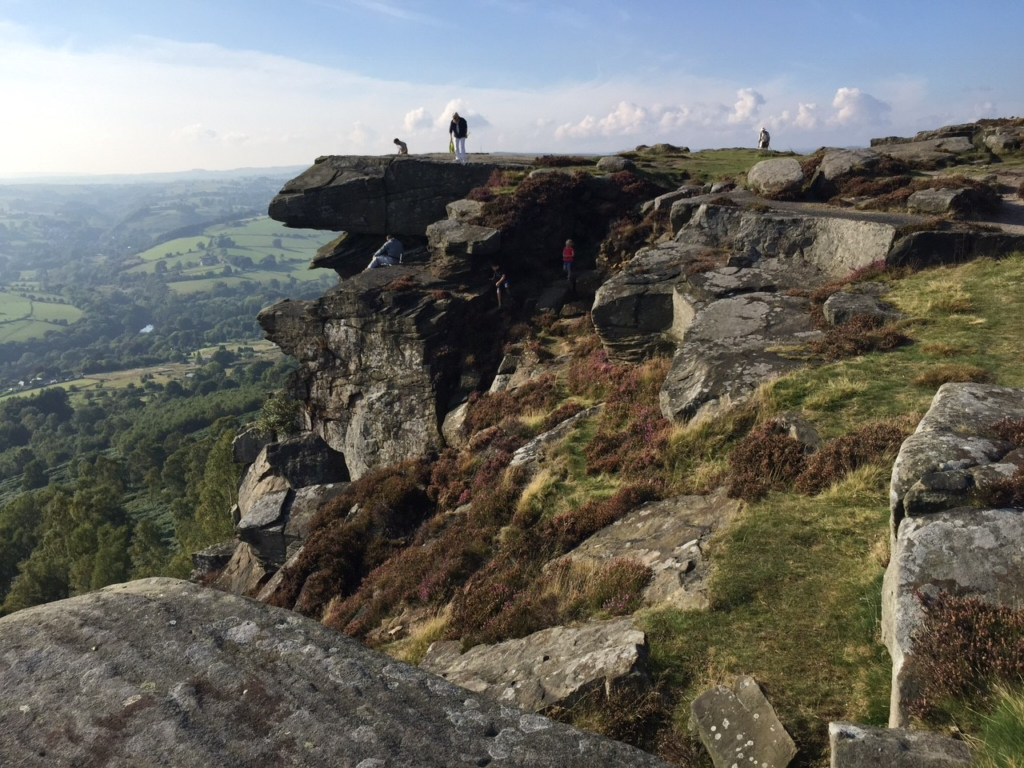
point(454, 426)
point(928, 154)
point(532, 454)
point(800, 429)
point(266, 510)
point(614, 164)
point(553, 666)
point(965, 552)
point(213, 558)
point(259, 480)
point(162, 672)
point(379, 195)
point(671, 538)
point(936, 200)
point(1003, 143)
point(684, 192)
point(955, 436)
point(248, 443)
point(458, 249)
point(861, 746)
point(836, 163)
point(375, 364)
point(843, 306)
point(731, 347)
point(306, 460)
point(926, 249)
point(778, 177)
point(739, 727)
point(836, 242)
point(464, 210)
point(245, 573)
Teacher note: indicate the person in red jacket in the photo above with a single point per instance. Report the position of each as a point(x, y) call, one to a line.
point(568, 257)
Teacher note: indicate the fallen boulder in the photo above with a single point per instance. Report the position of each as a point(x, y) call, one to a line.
point(738, 726)
point(776, 178)
point(861, 746)
point(554, 666)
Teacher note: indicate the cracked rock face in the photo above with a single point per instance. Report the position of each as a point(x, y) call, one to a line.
point(553, 666)
point(861, 746)
point(162, 672)
point(376, 364)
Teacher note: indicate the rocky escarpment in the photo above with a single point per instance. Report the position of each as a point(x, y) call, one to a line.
point(942, 542)
point(162, 672)
point(727, 295)
point(369, 197)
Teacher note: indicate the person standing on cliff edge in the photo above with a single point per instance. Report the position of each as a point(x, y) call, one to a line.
point(459, 131)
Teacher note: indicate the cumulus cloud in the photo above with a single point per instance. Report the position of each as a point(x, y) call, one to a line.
point(473, 118)
point(196, 132)
point(748, 103)
point(855, 107)
point(417, 119)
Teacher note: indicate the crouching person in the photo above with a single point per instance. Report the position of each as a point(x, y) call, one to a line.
point(388, 255)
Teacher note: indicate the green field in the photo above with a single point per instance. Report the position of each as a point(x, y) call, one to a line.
point(23, 318)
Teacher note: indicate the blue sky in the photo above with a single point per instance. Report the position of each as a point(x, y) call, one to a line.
point(133, 86)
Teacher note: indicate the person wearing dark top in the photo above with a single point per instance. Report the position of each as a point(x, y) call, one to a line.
point(458, 130)
point(500, 282)
point(388, 255)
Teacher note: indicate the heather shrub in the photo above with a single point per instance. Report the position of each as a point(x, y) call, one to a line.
point(403, 283)
point(341, 548)
point(964, 647)
point(481, 194)
point(767, 459)
point(630, 233)
point(708, 260)
point(937, 375)
point(561, 413)
point(489, 409)
point(861, 335)
point(592, 375)
point(562, 161)
point(1010, 430)
point(568, 529)
point(838, 457)
point(1004, 492)
point(632, 433)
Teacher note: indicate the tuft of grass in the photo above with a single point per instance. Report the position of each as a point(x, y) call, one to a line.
point(1000, 742)
point(413, 649)
point(937, 375)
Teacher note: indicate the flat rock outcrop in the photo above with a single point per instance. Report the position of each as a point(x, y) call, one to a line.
point(671, 538)
point(162, 672)
point(380, 195)
point(861, 746)
point(780, 177)
point(739, 727)
point(553, 666)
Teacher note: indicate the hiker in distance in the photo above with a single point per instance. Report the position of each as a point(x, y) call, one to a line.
point(568, 257)
point(388, 255)
point(763, 139)
point(459, 131)
point(403, 148)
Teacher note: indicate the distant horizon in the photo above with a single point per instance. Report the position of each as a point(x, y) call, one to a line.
point(118, 87)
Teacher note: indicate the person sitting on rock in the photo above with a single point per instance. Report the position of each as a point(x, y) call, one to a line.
point(763, 139)
point(403, 148)
point(388, 255)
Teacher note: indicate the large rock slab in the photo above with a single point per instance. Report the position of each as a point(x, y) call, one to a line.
point(162, 672)
point(965, 552)
point(930, 153)
point(671, 537)
point(459, 249)
point(731, 348)
point(379, 195)
point(553, 666)
point(779, 177)
point(953, 450)
point(738, 726)
point(861, 746)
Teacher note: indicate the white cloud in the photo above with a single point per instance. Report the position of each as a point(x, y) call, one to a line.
point(855, 107)
point(748, 102)
point(417, 120)
point(196, 132)
point(807, 117)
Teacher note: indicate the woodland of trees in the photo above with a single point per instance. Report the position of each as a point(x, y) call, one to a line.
point(120, 484)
